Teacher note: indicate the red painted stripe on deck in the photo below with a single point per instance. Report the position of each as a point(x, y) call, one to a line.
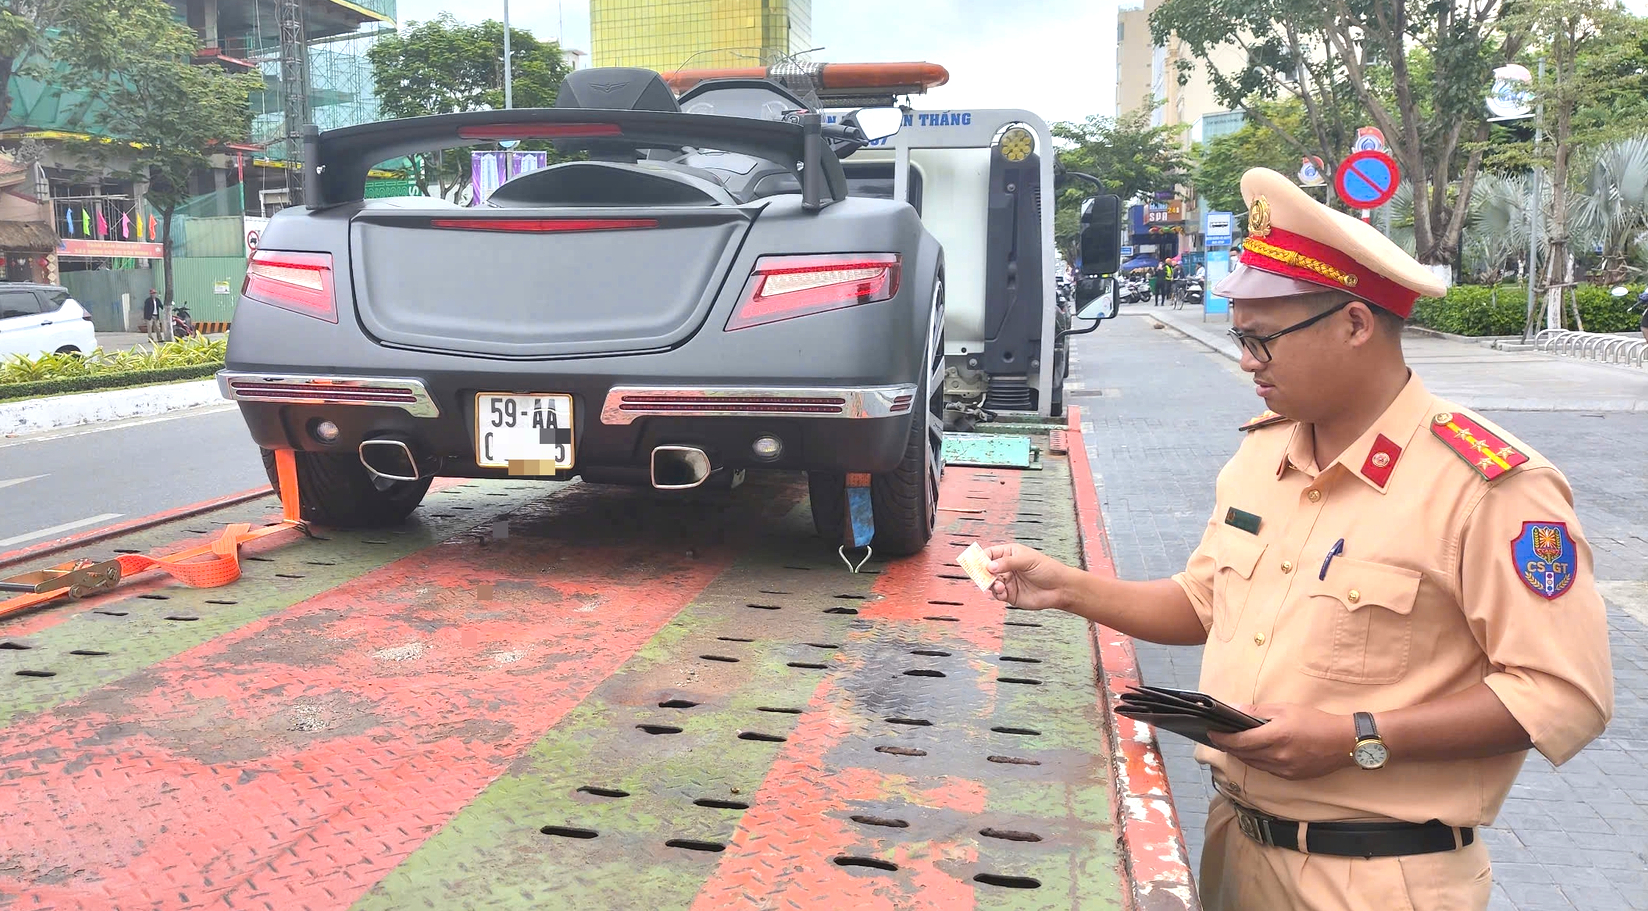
point(781, 854)
point(1155, 862)
point(295, 761)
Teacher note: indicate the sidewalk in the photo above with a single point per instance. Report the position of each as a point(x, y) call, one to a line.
point(1163, 412)
point(1473, 375)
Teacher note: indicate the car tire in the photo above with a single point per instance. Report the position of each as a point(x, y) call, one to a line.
point(336, 490)
point(68, 349)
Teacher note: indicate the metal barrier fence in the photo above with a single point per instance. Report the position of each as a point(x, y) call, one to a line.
point(1595, 346)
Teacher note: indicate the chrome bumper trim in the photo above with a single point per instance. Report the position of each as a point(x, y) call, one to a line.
point(624, 404)
point(313, 389)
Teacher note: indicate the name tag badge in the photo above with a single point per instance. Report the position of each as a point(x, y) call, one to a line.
point(1246, 521)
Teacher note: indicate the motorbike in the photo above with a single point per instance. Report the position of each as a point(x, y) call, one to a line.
point(1641, 304)
point(183, 325)
point(1190, 292)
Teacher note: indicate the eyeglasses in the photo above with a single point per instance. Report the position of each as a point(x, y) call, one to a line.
point(1259, 345)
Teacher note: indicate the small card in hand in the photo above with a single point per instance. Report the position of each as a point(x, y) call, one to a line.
point(976, 563)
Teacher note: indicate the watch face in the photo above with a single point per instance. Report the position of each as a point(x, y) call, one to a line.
point(1371, 754)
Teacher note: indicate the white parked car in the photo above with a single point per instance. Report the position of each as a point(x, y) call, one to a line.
point(40, 319)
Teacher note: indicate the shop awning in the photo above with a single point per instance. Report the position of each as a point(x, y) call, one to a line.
point(1143, 261)
point(30, 236)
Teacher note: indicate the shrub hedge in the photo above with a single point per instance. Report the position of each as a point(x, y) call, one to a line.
point(1473, 310)
point(10, 392)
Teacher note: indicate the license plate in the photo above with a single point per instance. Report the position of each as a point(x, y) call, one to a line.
point(513, 428)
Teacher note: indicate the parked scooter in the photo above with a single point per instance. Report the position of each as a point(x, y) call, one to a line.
point(183, 325)
point(1641, 304)
point(1190, 292)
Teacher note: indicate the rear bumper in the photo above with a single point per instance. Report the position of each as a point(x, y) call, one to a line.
point(834, 428)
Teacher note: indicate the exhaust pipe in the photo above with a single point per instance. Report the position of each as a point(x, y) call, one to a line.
point(391, 460)
point(679, 467)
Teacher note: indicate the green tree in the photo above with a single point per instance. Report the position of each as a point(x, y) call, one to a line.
point(1416, 69)
point(1223, 161)
point(1576, 40)
point(1126, 153)
point(160, 117)
point(445, 67)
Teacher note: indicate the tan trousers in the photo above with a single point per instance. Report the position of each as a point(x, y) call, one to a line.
point(1239, 874)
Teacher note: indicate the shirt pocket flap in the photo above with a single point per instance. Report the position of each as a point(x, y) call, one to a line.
point(1238, 551)
point(1358, 583)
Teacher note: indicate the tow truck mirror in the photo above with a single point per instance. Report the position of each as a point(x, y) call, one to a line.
point(1102, 308)
point(878, 123)
point(1101, 235)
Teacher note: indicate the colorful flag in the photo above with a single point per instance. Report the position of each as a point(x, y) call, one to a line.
point(102, 224)
point(86, 221)
point(154, 232)
point(139, 221)
point(68, 216)
point(126, 225)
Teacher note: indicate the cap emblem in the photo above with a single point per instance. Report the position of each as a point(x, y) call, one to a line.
point(1258, 217)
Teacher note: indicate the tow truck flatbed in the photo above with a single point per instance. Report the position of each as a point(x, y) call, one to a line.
point(570, 696)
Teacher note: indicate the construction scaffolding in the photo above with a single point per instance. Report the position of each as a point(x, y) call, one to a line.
point(312, 57)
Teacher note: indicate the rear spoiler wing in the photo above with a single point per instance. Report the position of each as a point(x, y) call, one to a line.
point(336, 162)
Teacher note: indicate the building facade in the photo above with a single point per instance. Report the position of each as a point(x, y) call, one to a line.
point(665, 35)
point(104, 234)
point(1147, 76)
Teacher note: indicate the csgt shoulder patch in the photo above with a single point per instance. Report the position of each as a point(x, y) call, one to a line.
point(1488, 454)
point(1544, 557)
point(1264, 420)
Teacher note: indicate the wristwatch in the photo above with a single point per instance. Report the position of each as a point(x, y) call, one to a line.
point(1370, 752)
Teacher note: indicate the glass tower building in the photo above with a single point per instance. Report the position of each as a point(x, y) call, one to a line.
point(665, 35)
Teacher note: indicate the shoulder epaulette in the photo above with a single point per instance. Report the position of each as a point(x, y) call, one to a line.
point(1482, 450)
point(1264, 420)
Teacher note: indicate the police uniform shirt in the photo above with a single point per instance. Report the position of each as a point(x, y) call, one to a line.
point(1461, 562)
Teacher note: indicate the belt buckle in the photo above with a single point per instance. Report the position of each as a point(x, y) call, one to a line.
point(1255, 828)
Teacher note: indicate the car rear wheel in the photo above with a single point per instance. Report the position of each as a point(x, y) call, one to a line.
point(337, 491)
point(905, 499)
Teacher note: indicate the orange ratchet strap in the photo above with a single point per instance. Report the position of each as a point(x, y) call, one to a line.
point(220, 566)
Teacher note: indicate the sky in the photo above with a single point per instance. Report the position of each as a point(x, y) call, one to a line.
point(1055, 58)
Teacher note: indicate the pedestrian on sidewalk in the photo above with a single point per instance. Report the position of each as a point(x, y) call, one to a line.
point(1399, 587)
point(1158, 281)
point(151, 312)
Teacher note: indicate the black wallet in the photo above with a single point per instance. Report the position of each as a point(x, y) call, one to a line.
point(1184, 712)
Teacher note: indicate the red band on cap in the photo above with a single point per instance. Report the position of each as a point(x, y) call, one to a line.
point(1296, 256)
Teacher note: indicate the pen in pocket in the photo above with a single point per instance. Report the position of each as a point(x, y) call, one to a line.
point(1337, 549)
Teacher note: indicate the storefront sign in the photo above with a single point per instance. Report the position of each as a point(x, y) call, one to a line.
point(1165, 214)
point(121, 249)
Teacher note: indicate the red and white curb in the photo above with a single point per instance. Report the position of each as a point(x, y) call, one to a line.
point(1155, 861)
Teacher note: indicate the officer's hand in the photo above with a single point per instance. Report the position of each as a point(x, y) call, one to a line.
point(1297, 742)
point(1026, 578)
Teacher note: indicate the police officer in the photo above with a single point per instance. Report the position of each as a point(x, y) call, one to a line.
point(1399, 586)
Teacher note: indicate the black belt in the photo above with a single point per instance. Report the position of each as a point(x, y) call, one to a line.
point(1352, 839)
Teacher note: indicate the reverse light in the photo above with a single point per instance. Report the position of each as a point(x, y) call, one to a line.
point(299, 282)
point(785, 287)
point(543, 225)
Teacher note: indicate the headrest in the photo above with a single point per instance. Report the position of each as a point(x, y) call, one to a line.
point(616, 88)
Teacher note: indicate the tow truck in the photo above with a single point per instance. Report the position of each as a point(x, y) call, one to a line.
point(563, 695)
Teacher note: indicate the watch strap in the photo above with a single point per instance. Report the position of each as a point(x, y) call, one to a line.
point(1365, 729)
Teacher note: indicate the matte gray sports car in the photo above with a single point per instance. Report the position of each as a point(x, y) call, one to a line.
point(701, 295)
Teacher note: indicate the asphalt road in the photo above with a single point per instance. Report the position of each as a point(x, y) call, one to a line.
point(77, 480)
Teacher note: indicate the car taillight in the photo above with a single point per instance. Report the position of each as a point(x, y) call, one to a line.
point(785, 287)
point(300, 282)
